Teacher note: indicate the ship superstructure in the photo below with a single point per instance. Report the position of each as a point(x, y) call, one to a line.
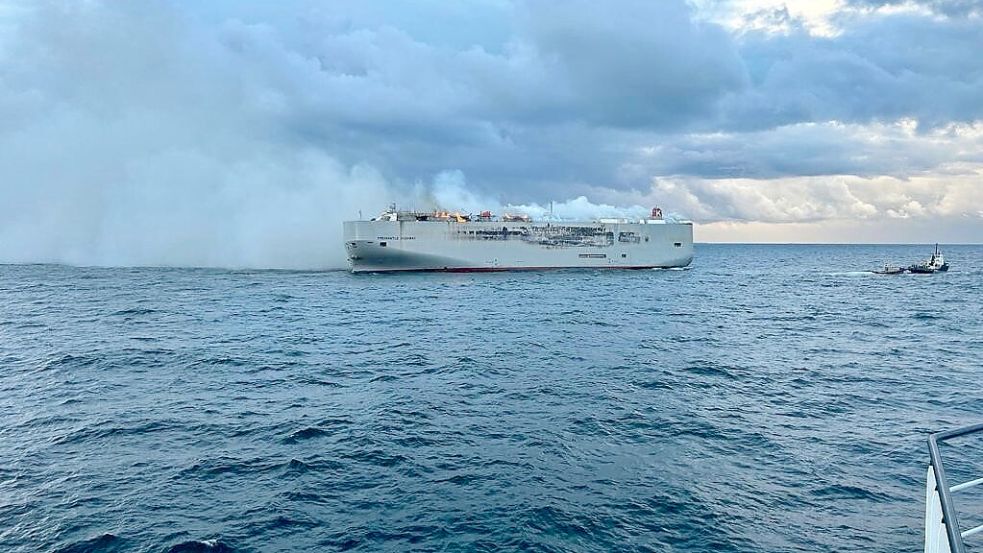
point(445, 241)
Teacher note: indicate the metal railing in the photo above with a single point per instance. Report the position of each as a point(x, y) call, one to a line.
point(942, 533)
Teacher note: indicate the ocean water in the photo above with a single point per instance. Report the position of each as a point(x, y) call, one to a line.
point(769, 398)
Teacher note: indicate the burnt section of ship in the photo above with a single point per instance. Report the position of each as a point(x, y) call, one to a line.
point(548, 236)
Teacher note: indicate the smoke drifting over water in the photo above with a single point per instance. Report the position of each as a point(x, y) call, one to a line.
point(118, 151)
point(129, 138)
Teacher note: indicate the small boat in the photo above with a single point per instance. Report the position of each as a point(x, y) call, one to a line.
point(934, 264)
point(889, 270)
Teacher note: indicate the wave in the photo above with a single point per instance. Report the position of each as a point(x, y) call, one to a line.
point(710, 370)
point(305, 434)
point(106, 543)
point(205, 546)
point(134, 311)
point(845, 491)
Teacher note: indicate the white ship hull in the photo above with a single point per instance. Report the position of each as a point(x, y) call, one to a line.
point(385, 246)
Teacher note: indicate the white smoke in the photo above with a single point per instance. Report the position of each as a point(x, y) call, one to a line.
point(130, 138)
point(578, 209)
point(130, 135)
point(450, 191)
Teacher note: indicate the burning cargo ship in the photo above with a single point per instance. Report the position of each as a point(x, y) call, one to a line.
point(444, 241)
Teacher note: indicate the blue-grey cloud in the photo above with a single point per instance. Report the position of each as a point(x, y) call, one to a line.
point(951, 8)
point(881, 67)
point(636, 65)
point(232, 122)
point(810, 149)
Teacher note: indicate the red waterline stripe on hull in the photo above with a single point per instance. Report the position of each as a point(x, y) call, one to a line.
point(500, 269)
point(503, 269)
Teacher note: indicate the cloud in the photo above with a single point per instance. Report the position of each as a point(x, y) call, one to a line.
point(643, 64)
point(230, 133)
point(950, 8)
point(879, 67)
point(898, 149)
point(890, 231)
point(816, 199)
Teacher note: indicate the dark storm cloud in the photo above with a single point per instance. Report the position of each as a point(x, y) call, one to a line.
point(531, 115)
point(539, 110)
point(635, 64)
point(879, 68)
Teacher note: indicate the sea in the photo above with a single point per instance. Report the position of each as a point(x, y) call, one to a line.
point(768, 398)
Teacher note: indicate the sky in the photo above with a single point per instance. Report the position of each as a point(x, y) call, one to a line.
point(241, 133)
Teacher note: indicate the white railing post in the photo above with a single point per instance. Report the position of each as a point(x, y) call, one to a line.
point(936, 540)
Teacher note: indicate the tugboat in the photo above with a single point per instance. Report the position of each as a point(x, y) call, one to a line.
point(934, 264)
point(889, 270)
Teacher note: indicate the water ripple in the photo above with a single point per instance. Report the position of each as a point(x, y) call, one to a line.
point(738, 406)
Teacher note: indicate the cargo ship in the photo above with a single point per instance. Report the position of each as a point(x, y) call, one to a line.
point(456, 242)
